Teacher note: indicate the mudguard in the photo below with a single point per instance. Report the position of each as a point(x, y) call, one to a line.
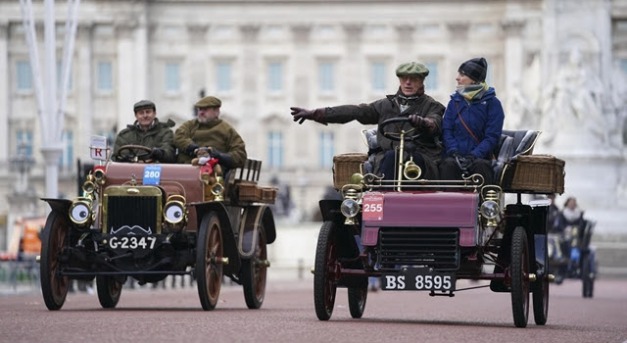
point(255, 217)
point(228, 238)
point(61, 206)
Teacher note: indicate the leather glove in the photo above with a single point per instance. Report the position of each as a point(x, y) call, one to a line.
point(301, 114)
point(157, 154)
point(191, 150)
point(424, 124)
point(223, 158)
point(465, 162)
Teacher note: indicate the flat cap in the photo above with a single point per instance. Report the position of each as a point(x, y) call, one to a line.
point(412, 68)
point(209, 101)
point(143, 104)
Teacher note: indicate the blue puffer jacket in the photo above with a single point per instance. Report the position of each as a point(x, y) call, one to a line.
point(484, 117)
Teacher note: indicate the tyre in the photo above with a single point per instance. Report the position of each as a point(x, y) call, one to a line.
point(587, 278)
point(357, 301)
point(209, 259)
point(109, 291)
point(519, 269)
point(540, 295)
point(254, 271)
point(326, 271)
point(54, 287)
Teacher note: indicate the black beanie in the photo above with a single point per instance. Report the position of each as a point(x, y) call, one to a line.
point(475, 69)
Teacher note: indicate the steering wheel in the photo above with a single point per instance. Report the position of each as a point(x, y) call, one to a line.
point(133, 153)
point(396, 135)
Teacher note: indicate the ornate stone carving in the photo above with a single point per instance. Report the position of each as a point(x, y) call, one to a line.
point(197, 32)
point(513, 27)
point(250, 32)
point(405, 32)
point(301, 33)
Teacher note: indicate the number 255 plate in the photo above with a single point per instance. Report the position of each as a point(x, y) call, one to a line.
point(418, 279)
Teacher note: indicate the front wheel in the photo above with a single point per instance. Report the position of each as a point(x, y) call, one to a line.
point(326, 271)
point(357, 301)
point(519, 270)
point(209, 259)
point(54, 287)
point(254, 271)
point(109, 291)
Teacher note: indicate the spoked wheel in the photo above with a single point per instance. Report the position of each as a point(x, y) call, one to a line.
point(357, 301)
point(540, 291)
point(109, 291)
point(209, 259)
point(326, 271)
point(254, 271)
point(519, 270)
point(54, 287)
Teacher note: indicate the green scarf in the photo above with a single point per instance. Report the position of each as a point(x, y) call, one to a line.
point(474, 91)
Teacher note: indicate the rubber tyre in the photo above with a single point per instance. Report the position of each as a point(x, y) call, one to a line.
point(519, 269)
point(586, 278)
point(541, 302)
point(54, 287)
point(109, 291)
point(254, 273)
point(326, 271)
point(209, 254)
point(357, 301)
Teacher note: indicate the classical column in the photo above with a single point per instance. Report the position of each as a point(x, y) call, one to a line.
point(301, 34)
point(458, 36)
point(4, 92)
point(513, 63)
point(126, 83)
point(250, 64)
point(405, 36)
point(84, 89)
point(199, 73)
point(353, 84)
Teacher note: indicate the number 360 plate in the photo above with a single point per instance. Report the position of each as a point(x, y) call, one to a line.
point(418, 279)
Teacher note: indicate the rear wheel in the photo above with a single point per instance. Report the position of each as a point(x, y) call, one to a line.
point(54, 287)
point(209, 259)
point(519, 270)
point(254, 271)
point(326, 271)
point(541, 293)
point(587, 276)
point(109, 291)
point(357, 301)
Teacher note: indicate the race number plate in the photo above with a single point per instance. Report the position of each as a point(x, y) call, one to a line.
point(132, 242)
point(418, 279)
point(372, 206)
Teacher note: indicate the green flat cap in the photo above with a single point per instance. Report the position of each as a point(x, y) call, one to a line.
point(209, 101)
point(412, 68)
point(143, 104)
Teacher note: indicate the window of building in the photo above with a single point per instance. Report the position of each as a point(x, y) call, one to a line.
point(326, 77)
point(275, 149)
point(24, 76)
point(431, 82)
point(24, 142)
point(378, 76)
point(223, 76)
point(67, 158)
point(327, 149)
point(172, 77)
point(105, 76)
point(275, 76)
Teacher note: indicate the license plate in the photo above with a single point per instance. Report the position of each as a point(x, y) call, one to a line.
point(132, 242)
point(418, 279)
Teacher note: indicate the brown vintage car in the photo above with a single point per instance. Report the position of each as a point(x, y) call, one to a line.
point(149, 220)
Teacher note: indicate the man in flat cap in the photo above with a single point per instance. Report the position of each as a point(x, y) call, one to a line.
point(149, 132)
point(207, 130)
point(410, 101)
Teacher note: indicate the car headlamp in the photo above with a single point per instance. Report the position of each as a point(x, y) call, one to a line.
point(489, 209)
point(174, 212)
point(349, 208)
point(80, 212)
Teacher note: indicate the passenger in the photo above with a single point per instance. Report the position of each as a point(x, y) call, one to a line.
point(472, 124)
point(410, 101)
point(207, 130)
point(147, 131)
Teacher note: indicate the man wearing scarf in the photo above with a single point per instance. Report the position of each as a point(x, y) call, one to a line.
point(410, 101)
point(472, 125)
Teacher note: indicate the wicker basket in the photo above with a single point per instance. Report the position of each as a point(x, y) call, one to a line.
point(345, 165)
point(534, 174)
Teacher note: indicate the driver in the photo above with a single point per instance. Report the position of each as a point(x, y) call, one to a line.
point(410, 101)
point(147, 131)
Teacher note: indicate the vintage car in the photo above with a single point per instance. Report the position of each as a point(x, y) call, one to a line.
point(147, 220)
point(425, 235)
point(571, 256)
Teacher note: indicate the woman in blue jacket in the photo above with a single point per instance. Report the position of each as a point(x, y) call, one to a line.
point(472, 125)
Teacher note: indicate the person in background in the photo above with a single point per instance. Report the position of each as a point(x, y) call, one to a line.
point(147, 131)
point(472, 124)
point(207, 130)
point(571, 213)
point(410, 101)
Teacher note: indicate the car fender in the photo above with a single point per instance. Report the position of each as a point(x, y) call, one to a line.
point(252, 218)
point(228, 238)
point(61, 206)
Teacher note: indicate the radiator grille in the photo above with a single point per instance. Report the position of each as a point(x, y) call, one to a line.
point(433, 247)
point(132, 213)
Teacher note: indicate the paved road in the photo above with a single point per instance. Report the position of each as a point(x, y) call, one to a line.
point(288, 316)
